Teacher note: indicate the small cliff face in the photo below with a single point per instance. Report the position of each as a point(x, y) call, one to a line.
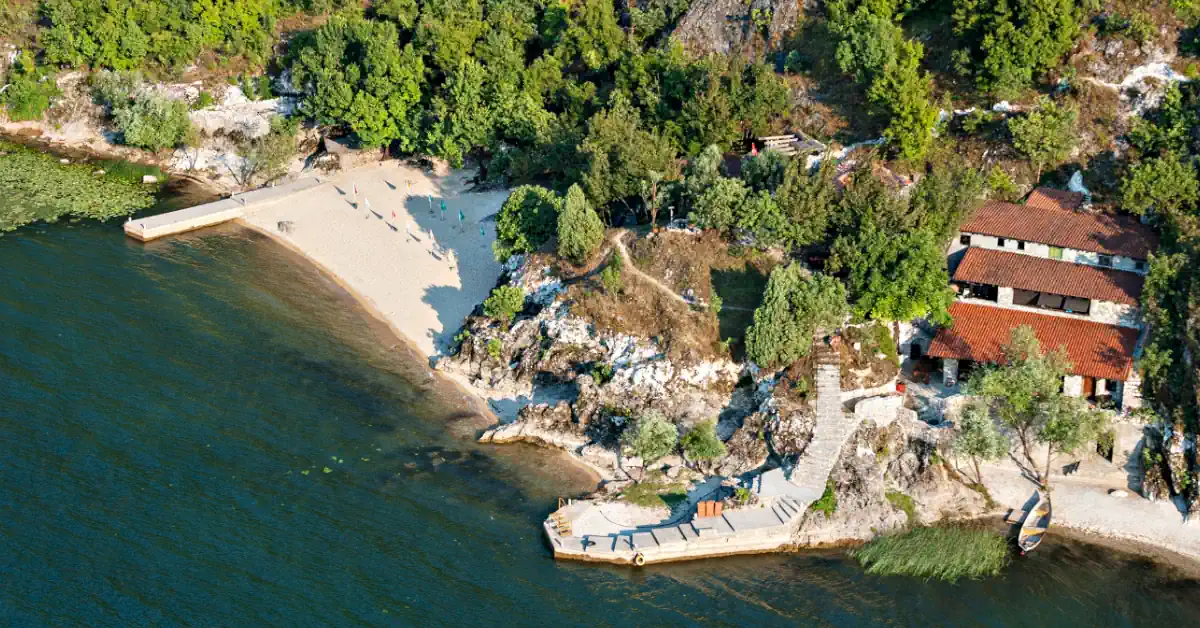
point(559, 382)
point(878, 470)
point(738, 26)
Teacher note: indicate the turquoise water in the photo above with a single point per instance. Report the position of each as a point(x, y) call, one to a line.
point(168, 413)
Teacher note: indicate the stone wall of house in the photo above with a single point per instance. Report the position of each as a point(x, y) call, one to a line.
point(1073, 386)
point(1037, 249)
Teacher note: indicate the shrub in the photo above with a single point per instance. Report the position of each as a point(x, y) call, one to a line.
point(651, 437)
point(495, 348)
point(29, 91)
point(527, 219)
point(611, 275)
point(943, 553)
point(1046, 135)
point(114, 89)
point(267, 156)
point(152, 122)
point(828, 502)
point(580, 231)
point(702, 443)
point(203, 101)
point(903, 502)
point(504, 303)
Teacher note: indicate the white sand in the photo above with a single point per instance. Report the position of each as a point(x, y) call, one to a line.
point(423, 285)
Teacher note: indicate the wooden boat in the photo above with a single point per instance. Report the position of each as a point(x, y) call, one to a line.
point(1035, 525)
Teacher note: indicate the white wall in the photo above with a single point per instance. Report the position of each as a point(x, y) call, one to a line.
point(1073, 386)
point(1038, 249)
point(1102, 311)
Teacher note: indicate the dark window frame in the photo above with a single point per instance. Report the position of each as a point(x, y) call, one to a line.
point(1104, 260)
point(1000, 242)
point(965, 239)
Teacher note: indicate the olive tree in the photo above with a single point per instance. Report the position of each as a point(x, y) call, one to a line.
point(977, 437)
point(650, 438)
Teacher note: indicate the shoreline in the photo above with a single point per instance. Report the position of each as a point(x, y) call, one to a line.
point(1175, 557)
point(391, 276)
point(476, 397)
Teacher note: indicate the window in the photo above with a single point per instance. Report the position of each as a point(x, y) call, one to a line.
point(1105, 260)
point(1020, 245)
point(1056, 252)
point(965, 239)
point(1000, 242)
point(1140, 265)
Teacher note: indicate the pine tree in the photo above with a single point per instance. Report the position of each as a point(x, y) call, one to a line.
point(580, 231)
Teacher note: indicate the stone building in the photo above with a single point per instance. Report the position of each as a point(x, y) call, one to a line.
point(1072, 275)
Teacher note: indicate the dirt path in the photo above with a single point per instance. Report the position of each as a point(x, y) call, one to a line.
point(627, 264)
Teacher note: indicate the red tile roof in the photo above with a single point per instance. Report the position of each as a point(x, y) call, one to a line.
point(980, 331)
point(1050, 198)
point(1076, 229)
point(1026, 272)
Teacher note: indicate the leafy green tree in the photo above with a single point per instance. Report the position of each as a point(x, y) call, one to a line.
point(906, 94)
point(702, 172)
point(1166, 184)
point(611, 275)
point(977, 437)
point(355, 73)
point(944, 199)
point(650, 438)
point(463, 118)
point(528, 218)
point(580, 231)
point(153, 122)
point(761, 217)
point(1026, 393)
point(807, 201)
point(894, 276)
point(447, 31)
point(586, 30)
point(403, 12)
point(764, 171)
point(702, 444)
point(719, 205)
point(1046, 135)
point(126, 34)
point(1009, 43)
point(869, 43)
point(504, 303)
point(621, 154)
point(795, 307)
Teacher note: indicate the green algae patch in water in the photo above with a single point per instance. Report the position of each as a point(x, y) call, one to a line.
point(36, 187)
point(942, 553)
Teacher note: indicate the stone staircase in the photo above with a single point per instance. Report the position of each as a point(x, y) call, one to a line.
point(834, 426)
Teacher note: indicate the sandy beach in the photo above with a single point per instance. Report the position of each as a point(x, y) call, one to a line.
point(390, 243)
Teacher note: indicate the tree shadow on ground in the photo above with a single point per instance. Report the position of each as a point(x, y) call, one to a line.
point(741, 292)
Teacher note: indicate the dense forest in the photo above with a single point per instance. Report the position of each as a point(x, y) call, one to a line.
point(605, 100)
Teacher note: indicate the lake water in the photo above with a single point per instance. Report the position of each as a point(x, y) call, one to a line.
point(205, 431)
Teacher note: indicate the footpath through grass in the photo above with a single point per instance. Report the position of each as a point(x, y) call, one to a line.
point(943, 553)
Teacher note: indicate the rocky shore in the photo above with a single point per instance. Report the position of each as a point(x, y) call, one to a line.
point(556, 380)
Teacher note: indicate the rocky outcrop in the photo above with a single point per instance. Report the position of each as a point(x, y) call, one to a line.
point(900, 461)
point(735, 26)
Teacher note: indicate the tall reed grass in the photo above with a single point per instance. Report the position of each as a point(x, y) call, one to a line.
point(945, 553)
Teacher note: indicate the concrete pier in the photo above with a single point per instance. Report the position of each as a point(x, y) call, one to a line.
point(785, 497)
point(209, 214)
